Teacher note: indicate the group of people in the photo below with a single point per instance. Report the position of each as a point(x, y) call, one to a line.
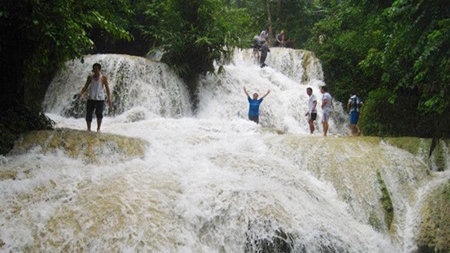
point(98, 90)
point(312, 108)
point(260, 44)
point(354, 106)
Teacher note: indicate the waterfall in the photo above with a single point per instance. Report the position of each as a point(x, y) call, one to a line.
point(139, 86)
point(160, 178)
point(142, 89)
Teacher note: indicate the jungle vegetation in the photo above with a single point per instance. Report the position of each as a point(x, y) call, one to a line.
point(393, 53)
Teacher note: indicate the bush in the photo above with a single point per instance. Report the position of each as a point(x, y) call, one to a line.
point(377, 113)
point(385, 118)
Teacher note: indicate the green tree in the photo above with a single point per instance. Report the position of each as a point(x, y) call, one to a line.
point(415, 63)
point(195, 34)
point(342, 40)
point(417, 53)
point(37, 39)
point(296, 18)
point(397, 46)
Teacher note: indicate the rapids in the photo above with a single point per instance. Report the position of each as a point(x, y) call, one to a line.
point(212, 181)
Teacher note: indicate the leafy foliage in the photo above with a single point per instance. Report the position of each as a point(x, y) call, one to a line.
point(395, 54)
point(37, 38)
point(418, 51)
point(43, 36)
point(195, 34)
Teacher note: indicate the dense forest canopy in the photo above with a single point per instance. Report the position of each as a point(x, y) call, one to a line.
point(394, 54)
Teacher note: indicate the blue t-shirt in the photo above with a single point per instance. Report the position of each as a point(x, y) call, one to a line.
point(254, 106)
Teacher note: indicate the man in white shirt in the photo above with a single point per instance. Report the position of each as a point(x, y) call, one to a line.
point(326, 108)
point(312, 111)
point(264, 35)
point(98, 88)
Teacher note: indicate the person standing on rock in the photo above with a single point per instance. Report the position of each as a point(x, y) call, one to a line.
point(264, 50)
point(97, 87)
point(326, 108)
point(355, 108)
point(312, 111)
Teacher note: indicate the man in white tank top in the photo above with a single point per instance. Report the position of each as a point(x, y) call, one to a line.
point(96, 85)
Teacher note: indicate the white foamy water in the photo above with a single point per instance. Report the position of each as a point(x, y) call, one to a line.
point(210, 182)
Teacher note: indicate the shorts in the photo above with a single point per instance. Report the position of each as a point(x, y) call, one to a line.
point(96, 105)
point(354, 116)
point(312, 116)
point(326, 115)
point(254, 118)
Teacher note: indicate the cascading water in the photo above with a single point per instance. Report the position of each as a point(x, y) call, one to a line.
point(209, 182)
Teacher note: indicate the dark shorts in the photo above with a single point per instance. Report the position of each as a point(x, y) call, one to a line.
point(354, 116)
point(96, 105)
point(254, 118)
point(313, 116)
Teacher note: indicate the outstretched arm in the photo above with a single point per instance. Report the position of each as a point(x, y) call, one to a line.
point(265, 95)
point(246, 92)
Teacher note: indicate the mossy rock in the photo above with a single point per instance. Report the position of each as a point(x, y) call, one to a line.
point(434, 230)
point(91, 147)
point(434, 153)
point(413, 145)
point(386, 201)
point(5, 175)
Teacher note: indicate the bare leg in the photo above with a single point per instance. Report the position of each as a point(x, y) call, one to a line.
point(99, 124)
point(359, 130)
point(325, 128)
point(311, 126)
point(352, 129)
point(88, 124)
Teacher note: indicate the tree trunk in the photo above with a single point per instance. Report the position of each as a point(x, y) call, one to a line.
point(269, 20)
point(278, 13)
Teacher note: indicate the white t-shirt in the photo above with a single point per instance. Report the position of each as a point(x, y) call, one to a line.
point(264, 34)
point(312, 98)
point(327, 96)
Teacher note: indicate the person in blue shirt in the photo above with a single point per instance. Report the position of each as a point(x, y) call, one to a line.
point(253, 112)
